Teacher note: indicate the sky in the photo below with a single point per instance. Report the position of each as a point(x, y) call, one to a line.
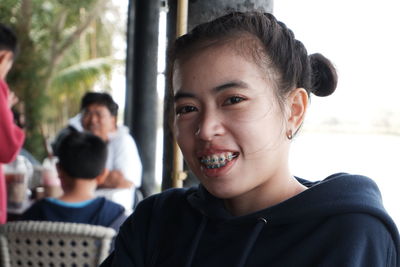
point(362, 39)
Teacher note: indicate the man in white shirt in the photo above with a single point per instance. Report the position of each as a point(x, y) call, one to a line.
point(99, 116)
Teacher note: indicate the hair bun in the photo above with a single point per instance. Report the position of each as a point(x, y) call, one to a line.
point(324, 76)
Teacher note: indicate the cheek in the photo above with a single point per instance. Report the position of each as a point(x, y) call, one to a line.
point(183, 133)
point(261, 135)
point(258, 108)
point(107, 124)
point(186, 139)
point(85, 122)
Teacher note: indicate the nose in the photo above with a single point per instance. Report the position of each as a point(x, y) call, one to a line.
point(210, 126)
point(93, 118)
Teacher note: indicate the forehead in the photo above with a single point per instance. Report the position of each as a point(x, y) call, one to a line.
point(97, 108)
point(213, 66)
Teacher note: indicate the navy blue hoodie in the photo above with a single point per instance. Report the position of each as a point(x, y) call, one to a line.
point(100, 211)
point(339, 222)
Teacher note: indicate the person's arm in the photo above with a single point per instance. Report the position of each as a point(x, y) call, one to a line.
point(116, 179)
point(126, 166)
point(11, 136)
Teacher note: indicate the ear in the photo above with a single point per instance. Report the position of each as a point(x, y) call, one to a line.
point(297, 105)
point(5, 55)
point(6, 61)
point(115, 121)
point(60, 171)
point(2, 55)
point(100, 179)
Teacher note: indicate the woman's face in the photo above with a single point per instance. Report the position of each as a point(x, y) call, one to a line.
point(228, 123)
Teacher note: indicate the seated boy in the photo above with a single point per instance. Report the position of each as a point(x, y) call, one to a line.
point(81, 166)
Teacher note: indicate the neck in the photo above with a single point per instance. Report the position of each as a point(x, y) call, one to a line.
point(265, 196)
point(79, 190)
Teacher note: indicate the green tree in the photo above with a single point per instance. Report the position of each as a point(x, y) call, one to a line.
point(65, 47)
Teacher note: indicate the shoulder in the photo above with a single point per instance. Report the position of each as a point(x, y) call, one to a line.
point(343, 179)
point(109, 205)
point(122, 137)
point(359, 224)
point(365, 237)
point(122, 133)
point(347, 179)
point(364, 230)
point(112, 204)
point(162, 205)
point(36, 209)
point(348, 186)
point(42, 202)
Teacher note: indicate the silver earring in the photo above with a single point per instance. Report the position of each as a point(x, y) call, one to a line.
point(289, 135)
point(197, 132)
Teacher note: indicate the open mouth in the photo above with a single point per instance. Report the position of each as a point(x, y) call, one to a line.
point(215, 161)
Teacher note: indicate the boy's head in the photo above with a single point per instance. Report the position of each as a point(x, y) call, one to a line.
point(8, 49)
point(82, 155)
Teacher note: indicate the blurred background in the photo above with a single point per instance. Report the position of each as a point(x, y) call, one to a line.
point(69, 47)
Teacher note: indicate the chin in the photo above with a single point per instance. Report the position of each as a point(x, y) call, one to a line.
point(221, 191)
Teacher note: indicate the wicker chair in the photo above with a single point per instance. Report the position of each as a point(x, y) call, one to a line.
point(57, 244)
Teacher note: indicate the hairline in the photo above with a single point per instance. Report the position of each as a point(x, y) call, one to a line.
point(246, 44)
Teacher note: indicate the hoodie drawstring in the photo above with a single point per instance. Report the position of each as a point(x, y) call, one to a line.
point(196, 241)
point(251, 241)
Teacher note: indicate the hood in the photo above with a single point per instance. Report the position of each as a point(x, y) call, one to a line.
point(338, 194)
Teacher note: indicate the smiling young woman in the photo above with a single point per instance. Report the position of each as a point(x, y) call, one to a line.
point(241, 87)
point(228, 123)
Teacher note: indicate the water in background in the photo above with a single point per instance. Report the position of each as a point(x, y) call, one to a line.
point(315, 156)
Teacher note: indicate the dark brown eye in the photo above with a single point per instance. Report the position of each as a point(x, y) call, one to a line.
point(233, 100)
point(185, 110)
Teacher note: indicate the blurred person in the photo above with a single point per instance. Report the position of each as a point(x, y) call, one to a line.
point(81, 167)
point(19, 120)
point(11, 136)
point(99, 116)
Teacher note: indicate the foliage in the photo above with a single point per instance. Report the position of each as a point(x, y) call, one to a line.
point(65, 48)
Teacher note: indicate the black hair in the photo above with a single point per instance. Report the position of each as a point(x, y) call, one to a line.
point(103, 99)
point(82, 155)
point(271, 44)
point(8, 39)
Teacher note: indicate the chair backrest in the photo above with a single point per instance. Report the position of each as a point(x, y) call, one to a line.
point(57, 244)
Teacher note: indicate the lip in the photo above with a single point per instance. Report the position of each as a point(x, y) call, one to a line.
point(214, 150)
point(217, 171)
point(221, 171)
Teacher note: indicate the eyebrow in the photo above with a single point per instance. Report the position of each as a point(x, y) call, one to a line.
point(222, 87)
point(231, 84)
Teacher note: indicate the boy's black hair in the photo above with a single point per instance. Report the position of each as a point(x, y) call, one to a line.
point(82, 155)
point(103, 99)
point(8, 39)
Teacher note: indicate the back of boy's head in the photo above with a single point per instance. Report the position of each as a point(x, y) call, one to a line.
point(82, 155)
point(8, 39)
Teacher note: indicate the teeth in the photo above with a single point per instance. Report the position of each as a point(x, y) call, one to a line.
point(217, 160)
